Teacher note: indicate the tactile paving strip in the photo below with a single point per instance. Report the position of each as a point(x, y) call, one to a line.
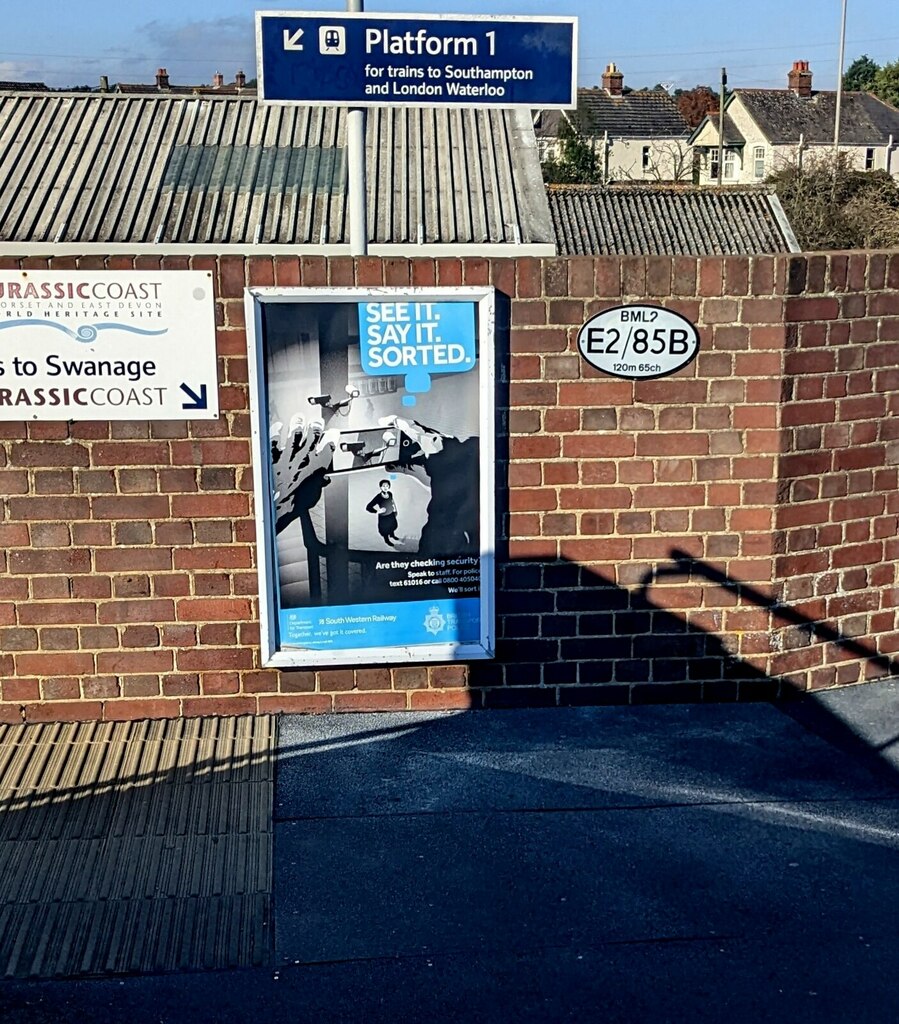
point(135, 846)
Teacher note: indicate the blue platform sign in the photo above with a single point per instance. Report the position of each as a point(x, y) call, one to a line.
point(363, 59)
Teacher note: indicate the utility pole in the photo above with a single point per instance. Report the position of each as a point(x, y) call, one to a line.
point(355, 147)
point(721, 126)
point(836, 123)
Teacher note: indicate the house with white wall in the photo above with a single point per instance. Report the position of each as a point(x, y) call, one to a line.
point(637, 136)
point(766, 129)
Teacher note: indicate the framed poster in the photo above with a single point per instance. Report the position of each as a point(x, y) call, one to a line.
point(373, 446)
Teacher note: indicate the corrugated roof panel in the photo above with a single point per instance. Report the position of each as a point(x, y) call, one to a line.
point(150, 169)
point(675, 221)
point(501, 215)
point(467, 150)
point(25, 132)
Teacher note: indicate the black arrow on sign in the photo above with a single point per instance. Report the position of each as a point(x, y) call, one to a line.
point(197, 401)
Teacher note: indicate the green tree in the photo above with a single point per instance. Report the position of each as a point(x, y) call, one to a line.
point(580, 159)
point(859, 76)
point(886, 83)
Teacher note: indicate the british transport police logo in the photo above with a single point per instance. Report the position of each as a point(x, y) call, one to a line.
point(434, 622)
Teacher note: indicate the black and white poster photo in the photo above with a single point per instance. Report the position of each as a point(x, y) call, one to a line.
point(374, 467)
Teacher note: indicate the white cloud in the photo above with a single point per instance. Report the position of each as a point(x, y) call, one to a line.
point(193, 51)
point(18, 71)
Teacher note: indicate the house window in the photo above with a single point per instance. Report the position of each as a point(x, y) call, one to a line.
point(869, 158)
point(758, 159)
point(646, 159)
point(713, 165)
point(730, 165)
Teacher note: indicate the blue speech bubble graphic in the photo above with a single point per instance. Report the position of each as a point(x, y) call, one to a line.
point(416, 339)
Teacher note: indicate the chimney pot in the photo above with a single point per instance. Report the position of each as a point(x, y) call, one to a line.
point(104, 83)
point(162, 79)
point(613, 80)
point(799, 79)
point(240, 80)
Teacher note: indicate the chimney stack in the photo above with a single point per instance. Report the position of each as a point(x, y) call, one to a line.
point(162, 79)
point(240, 80)
point(613, 80)
point(799, 80)
point(218, 80)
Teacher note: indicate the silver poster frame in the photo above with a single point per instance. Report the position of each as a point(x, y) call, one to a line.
point(275, 654)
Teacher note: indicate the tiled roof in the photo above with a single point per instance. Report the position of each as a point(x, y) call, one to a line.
point(732, 134)
point(674, 221)
point(783, 116)
point(23, 87)
point(636, 115)
point(144, 89)
point(144, 170)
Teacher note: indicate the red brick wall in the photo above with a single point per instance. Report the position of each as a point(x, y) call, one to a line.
point(837, 520)
point(727, 533)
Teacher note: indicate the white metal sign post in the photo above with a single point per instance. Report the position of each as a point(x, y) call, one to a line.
point(107, 345)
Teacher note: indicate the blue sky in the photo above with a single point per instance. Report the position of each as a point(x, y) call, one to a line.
point(73, 42)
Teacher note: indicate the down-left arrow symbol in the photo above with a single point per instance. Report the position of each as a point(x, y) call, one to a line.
point(292, 42)
point(197, 401)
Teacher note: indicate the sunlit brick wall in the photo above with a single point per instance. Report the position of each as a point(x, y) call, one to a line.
point(837, 518)
point(726, 533)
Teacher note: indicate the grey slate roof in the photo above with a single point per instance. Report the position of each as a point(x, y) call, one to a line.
point(225, 171)
point(783, 117)
point(23, 87)
point(636, 115)
point(226, 89)
point(674, 221)
point(732, 134)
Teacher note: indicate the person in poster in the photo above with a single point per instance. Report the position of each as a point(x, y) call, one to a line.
point(384, 507)
point(332, 369)
point(302, 464)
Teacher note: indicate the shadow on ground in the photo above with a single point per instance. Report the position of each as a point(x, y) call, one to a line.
point(135, 846)
point(705, 861)
point(661, 863)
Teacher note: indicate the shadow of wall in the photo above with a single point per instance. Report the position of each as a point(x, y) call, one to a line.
point(727, 533)
point(445, 865)
point(135, 846)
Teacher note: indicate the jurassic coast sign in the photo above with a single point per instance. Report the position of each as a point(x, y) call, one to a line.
point(107, 345)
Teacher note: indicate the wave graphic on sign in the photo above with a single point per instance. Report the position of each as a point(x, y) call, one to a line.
point(86, 333)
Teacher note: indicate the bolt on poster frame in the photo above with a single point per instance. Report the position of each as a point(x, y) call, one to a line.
point(372, 416)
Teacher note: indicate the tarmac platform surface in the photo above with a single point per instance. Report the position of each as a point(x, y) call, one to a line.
point(661, 863)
